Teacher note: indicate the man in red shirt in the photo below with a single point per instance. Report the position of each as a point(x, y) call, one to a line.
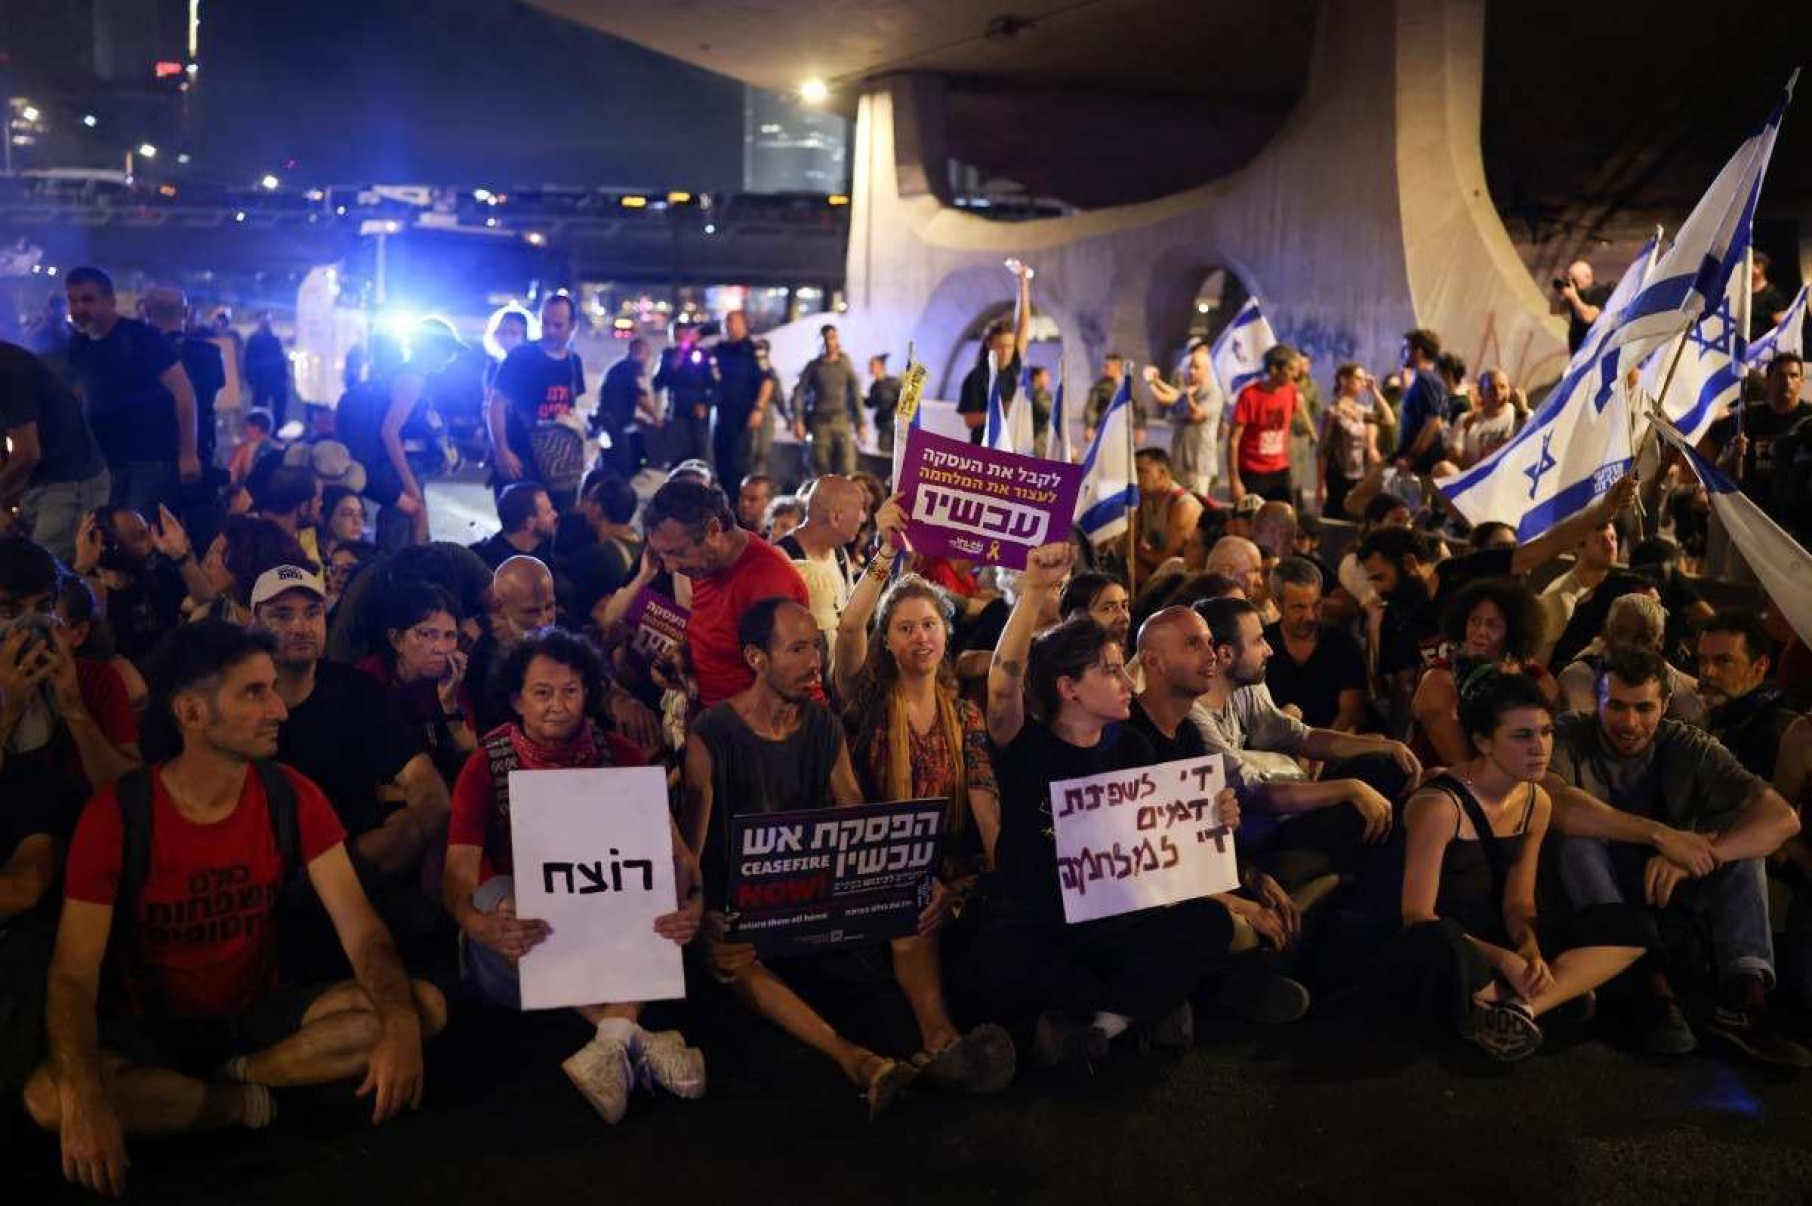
point(194, 1031)
point(1258, 447)
point(692, 529)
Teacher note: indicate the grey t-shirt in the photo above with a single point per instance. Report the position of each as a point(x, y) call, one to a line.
point(1260, 744)
point(1685, 778)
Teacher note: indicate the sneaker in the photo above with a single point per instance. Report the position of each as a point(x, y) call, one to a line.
point(981, 1061)
point(1662, 1028)
point(1751, 1030)
point(1260, 995)
point(1505, 1031)
point(1059, 1041)
point(600, 1070)
point(665, 1062)
point(1175, 1031)
point(1575, 1011)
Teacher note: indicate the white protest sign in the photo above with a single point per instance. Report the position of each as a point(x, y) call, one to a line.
point(1135, 839)
point(594, 859)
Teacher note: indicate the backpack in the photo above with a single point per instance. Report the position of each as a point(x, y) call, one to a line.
point(1790, 479)
point(134, 792)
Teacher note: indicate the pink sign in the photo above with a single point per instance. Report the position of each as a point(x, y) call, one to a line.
point(978, 504)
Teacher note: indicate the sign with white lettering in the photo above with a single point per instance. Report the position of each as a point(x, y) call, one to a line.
point(594, 859)
point(979, 504)
point(1135, 839)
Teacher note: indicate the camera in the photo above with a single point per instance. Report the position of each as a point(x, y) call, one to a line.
point(1559, 283)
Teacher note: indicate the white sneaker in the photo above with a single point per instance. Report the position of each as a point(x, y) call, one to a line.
point(600, 1070)
point(664, 1061)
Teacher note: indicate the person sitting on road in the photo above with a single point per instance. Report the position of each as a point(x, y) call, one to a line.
point(198, 1031)
point(549, 678)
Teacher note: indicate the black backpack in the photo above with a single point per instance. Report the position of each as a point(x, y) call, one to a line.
point(133, 790)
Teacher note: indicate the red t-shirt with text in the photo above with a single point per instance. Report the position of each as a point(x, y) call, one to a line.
point(1264, 445)
point(204, 936)
point(762, 572)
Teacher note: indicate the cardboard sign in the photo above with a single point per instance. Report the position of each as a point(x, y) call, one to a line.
point(594, 859)
point(979, 504)
point(832, 877)
point(1134, 839)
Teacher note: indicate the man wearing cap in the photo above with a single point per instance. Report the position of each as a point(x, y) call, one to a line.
point(347, 735)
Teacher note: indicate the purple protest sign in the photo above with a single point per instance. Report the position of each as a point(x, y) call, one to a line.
point(979, 504)
point(658, 623)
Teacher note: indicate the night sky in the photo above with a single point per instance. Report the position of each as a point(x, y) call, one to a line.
point(468, 92)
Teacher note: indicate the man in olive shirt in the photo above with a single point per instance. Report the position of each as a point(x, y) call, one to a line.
point(1676, 786)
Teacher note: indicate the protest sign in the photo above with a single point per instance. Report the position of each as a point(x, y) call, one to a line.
point(980, 504)
point(594, 859)
point(825, 878)
point(658, 624)
point(1133, 839)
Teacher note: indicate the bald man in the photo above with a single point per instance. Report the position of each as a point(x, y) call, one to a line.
point(167, 309)
point(1244, 562)
point(1581, 300)
point(835, 511)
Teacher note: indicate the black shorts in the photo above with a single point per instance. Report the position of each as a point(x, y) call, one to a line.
point(198, 1046)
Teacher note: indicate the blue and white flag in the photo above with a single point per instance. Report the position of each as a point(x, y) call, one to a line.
point(1576, 444)
point(1060, 449)
point(1238, 356)
point(1693, 276)
point(1708, 372)
point(1110, 490)
point(1789, 335)
point(1780, 564)
point(1009, 424)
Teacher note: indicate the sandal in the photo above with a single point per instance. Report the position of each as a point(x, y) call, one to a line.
point(891, 1079)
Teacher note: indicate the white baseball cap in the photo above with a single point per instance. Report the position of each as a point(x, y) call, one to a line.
point(273, 582)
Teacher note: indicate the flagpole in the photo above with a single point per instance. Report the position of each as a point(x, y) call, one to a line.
point(1741, 335)
point(1132, 510)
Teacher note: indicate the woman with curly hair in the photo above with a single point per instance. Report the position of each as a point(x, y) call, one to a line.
point(1494, 623)
point(911, 735)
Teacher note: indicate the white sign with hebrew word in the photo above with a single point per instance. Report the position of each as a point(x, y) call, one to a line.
point(594, 859)
point(1138, 838)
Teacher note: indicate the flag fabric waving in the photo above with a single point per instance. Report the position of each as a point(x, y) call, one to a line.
point(1060, 449)
point(1110, 490)
point(1238, 355)
point(1009, 424)
point(1782, 566)
point(1706, 360)
point(1788, 335)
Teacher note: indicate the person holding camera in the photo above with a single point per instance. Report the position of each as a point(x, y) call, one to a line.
point(1583, 300)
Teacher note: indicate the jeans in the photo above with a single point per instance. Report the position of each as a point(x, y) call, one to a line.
point(833, 448)
point(1734, 898)
point(488, 976)
point(52, 513)
point(143, 485)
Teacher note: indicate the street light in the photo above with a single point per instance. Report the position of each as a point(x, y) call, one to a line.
point(146, 151)
point(268, 183)
point(90, 120)
point(814, 91)
point(30, 113)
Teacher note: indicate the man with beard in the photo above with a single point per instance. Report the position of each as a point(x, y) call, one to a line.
point(1696, 832)
point(1402, 567)
point(347, 734)
point(1319, 669)
point(1770, 737)
point(1295, 829)
point(774, 747)
point(693, 531)
point(1101, 597)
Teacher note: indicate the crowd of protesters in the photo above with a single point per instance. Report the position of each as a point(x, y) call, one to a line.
point(257, 729)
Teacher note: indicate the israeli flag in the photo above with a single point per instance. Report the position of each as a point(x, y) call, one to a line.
point(1060, 449)
point(1780, 564)
point(1009, 424)
point(1110, 489)
point(1238, 355)
point(1708, 374)
point(1694, 276)
point(1576, 444)
point(1788, 336)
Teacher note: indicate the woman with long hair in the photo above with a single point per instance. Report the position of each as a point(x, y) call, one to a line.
point(1472, 954)
point(423, 668)
point(911, 735)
